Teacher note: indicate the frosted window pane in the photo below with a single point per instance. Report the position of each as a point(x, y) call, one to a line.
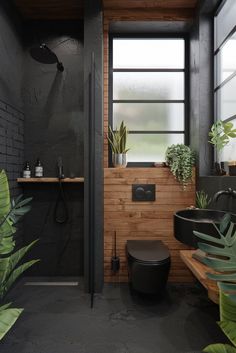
point(150, 147)
point(229, 151)
point(226, 60)
point(149, 116)
point(148, 85)
point(148, 53)
point(226, 100)
point(225, 21)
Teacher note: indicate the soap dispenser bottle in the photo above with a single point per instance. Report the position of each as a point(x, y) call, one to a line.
point(38, 169)
point(27, 171)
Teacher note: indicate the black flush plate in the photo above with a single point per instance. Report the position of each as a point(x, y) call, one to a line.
point(143, 192)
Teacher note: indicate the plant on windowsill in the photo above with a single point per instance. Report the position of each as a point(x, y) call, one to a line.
point(117, 140)
point(220, 135)
point(11, 266)
point(220, 255)
point(181, 159)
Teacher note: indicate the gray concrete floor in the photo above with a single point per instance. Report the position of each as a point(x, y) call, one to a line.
point(59, 320)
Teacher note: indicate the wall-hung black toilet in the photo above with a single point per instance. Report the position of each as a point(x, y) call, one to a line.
point(148, 265)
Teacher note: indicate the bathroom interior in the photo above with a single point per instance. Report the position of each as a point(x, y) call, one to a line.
point(118, 268)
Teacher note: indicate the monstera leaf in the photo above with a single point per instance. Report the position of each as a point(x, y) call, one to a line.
point(221, 253)
point(221, 256)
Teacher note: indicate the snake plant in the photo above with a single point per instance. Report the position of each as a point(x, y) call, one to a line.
point(220, 255)
point(202, 199)
point(10, 261)
point(118, 139)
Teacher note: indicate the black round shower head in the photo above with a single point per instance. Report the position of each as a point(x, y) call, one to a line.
point(45, 55)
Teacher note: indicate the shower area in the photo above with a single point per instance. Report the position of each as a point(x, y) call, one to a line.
point(54, 132)
point(51, 97)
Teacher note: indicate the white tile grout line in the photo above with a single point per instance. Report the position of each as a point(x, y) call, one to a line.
point(51, 283)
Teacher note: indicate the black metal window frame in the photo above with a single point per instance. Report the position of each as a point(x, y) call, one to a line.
point(229, 78)
point(185, 101)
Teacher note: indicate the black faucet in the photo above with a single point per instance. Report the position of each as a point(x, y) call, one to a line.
point(229, 192)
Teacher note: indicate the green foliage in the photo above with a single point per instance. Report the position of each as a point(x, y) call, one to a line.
point(221, 256)
point(10, 267)
point(8, 317)
point(118, 139)
point(221, 133)
point(180, 158)
point(219, 348)
point(221, 253)
point(202, 199)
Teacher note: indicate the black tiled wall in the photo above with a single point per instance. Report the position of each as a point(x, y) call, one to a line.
point(11, 144)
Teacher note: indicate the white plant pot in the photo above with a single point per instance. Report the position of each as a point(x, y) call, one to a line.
point(119, 160)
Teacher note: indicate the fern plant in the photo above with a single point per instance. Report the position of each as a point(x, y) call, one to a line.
point(10, 261)
point(180, 158)
point(220, 255)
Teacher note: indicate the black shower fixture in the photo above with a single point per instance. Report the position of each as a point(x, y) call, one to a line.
point(45, 55)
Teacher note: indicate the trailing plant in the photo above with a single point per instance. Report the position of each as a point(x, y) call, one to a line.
point(202, 199)
point(221, 133)
point(10, 261)
point(180, 158)
point(118, 139)
point(220, 255)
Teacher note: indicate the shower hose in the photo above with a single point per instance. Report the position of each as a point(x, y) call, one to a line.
point(61, 202)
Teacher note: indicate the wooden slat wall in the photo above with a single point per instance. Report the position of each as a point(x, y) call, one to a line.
point(143, 220)
point(139, 220)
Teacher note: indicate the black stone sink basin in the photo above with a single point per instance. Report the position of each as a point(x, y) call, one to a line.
point(201, 220)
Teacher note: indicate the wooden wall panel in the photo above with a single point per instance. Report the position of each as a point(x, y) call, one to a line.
point(140, 220)
point(143, 220)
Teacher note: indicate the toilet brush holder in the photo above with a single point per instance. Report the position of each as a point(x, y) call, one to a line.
point(115, 264)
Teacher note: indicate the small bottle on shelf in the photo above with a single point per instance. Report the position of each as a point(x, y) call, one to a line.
point(27, 171)
point(38, 169)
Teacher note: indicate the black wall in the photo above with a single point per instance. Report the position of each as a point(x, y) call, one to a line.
point(53, 103)
point(11, 105)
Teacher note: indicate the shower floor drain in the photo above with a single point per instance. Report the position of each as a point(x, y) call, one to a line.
point(51, 283)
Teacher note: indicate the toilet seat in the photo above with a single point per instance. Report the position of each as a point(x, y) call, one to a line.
point(152, 252)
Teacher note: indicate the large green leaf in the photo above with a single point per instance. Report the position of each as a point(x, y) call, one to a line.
point(8, 317)
point(227, 308)
point(5, 204)
point(219, 348)
point(221, 252)
point(14, 275)
point(229, 329)
point(18, 255)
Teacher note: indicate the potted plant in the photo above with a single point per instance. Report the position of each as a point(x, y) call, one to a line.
point(11, 265)
point(220, 135)
point(220, 255)
point(118, 140)
point(181, 159)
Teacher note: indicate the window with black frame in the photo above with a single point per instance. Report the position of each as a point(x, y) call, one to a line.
point(225, 71)
point(148, 93)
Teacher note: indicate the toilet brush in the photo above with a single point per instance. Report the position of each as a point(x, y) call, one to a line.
point(115, 260)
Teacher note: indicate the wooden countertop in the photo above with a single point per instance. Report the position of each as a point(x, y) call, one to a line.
point(199, 270)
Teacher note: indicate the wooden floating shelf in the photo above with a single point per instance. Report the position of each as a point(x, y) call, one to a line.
point(199, 270)
point(50, 180)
